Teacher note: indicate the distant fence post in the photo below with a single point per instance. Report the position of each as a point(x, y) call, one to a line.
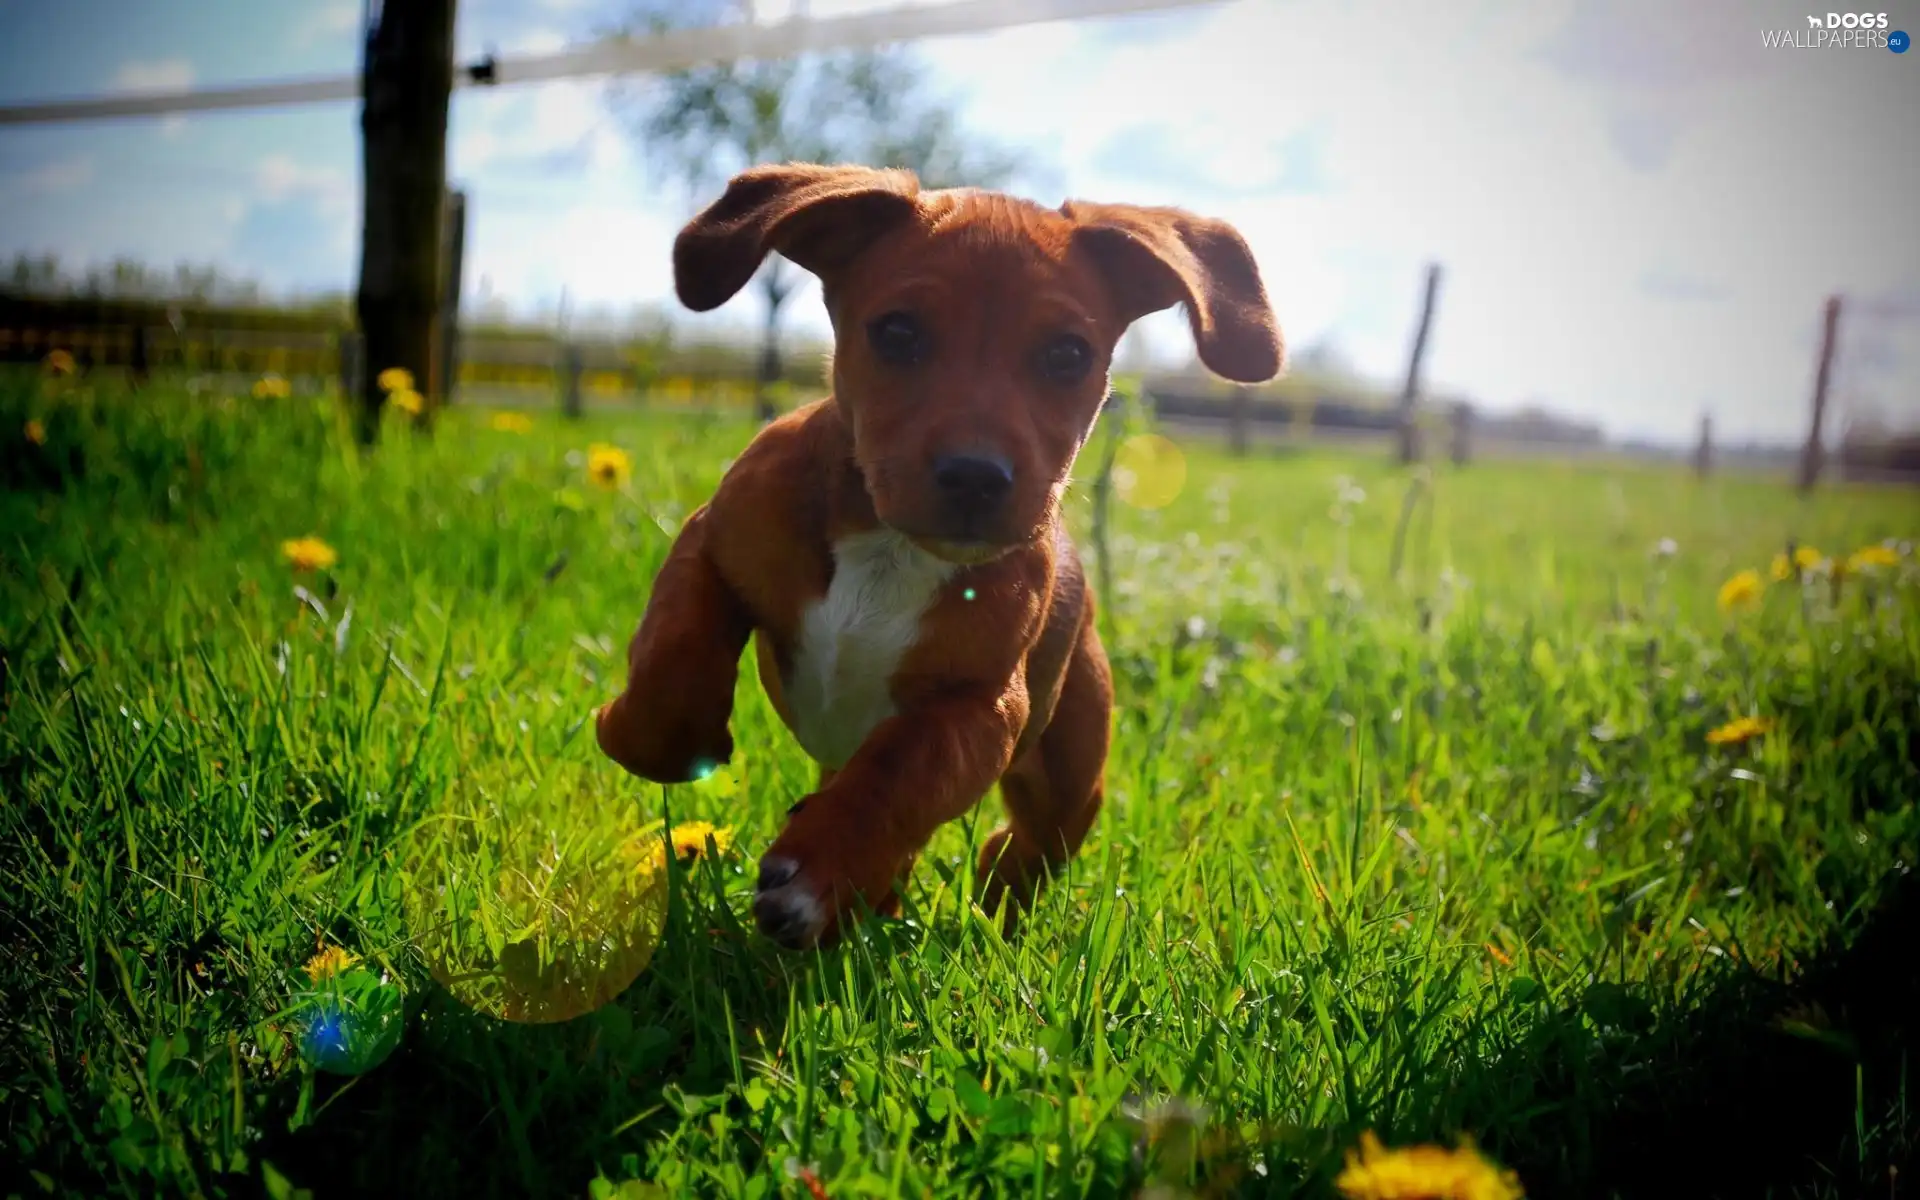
point(1410, 394)
point(1810, 457)
point(1462, 447)
point(352, 358)
point(137, 355)
point(453, 252)
point(570, 367)
point(1300, 419)
point(1237, 416)
point(1703, 453)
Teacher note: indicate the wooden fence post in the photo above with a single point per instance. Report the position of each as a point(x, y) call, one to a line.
point(1237, 418)
point(570, 366)
point(1462, 433)
point(1410, 393)
point(137, 355)
point(1811, 455)
point(352, 365)
point(406, 79)
point(453, 252)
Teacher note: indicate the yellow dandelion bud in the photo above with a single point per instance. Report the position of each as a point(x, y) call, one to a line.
point(36, 432)
point(608, 466)
point(406, 400)
point(1806, 558)
point(1423, 1173)
point(60, 362)
point(1781, 569)
point(511, 422)
point(395, 379)
point(1741, 591)
point(271, 387)
point(1740, 731)
point(308, 554)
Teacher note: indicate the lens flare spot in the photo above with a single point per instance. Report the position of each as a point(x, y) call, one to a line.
point(967, 595)
point(348, 1022)
point(533, 898)
point(1149, 471)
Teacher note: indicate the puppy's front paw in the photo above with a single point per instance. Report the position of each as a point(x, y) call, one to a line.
point(823, 871)
point(787, 905)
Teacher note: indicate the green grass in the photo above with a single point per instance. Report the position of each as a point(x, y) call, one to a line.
point(1440, 853)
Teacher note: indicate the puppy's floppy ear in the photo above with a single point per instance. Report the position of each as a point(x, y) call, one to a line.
point(817, 216)
point(1156, 258)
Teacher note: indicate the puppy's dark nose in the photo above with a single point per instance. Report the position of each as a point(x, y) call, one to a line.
point(973, 484)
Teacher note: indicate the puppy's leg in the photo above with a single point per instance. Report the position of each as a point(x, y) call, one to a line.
point(1054, 792)
point(849, 843)
point(889, 904)
point(670, 724)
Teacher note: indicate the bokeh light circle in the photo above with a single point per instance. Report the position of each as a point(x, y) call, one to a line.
point(348, 1021)
point(1149, 471)
point(535, 899)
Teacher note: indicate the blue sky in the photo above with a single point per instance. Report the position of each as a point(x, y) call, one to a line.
point(1640, 207)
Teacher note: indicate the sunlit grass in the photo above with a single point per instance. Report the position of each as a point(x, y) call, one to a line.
point(1458, 850)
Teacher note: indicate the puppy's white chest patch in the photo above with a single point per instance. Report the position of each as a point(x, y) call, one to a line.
point(853, 638)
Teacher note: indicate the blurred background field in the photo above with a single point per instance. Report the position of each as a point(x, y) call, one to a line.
point(1452, 850)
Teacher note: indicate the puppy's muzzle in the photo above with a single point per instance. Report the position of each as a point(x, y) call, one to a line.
point(973, 489)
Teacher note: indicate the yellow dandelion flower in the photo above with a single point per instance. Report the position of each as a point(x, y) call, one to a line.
point(607, 465)
point(395, 379)
point(36, 432)
point(690, 840)
point(406, 400)
point(1873, 556)
point(308, 554)
point(1742, 591)
point(60, 362)
point(1740, 731)
point(648, 849)
point(330, 961)
point(271, 387)
point(1782, 568)
point(1424, 1173)
point(511, 422)
point(1806, 558)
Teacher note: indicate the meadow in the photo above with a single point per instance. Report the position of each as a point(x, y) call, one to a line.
point(1431, 813)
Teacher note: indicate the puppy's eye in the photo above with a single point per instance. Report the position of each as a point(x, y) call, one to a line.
point(897, 338)
point(1066, 359)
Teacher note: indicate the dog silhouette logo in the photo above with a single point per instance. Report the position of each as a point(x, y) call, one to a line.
point(1813, 22)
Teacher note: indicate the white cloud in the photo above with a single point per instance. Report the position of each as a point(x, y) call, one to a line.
point(162, 75)
point(281, 176)
point(330, 189)
point(50, 179)
point(604, 251)
point(521, 133)
point(536, 41)
point(328, 22)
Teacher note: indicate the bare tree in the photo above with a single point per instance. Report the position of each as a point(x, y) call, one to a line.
point(700, 126)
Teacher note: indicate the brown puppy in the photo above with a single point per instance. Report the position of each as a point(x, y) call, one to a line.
point(924, 626)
